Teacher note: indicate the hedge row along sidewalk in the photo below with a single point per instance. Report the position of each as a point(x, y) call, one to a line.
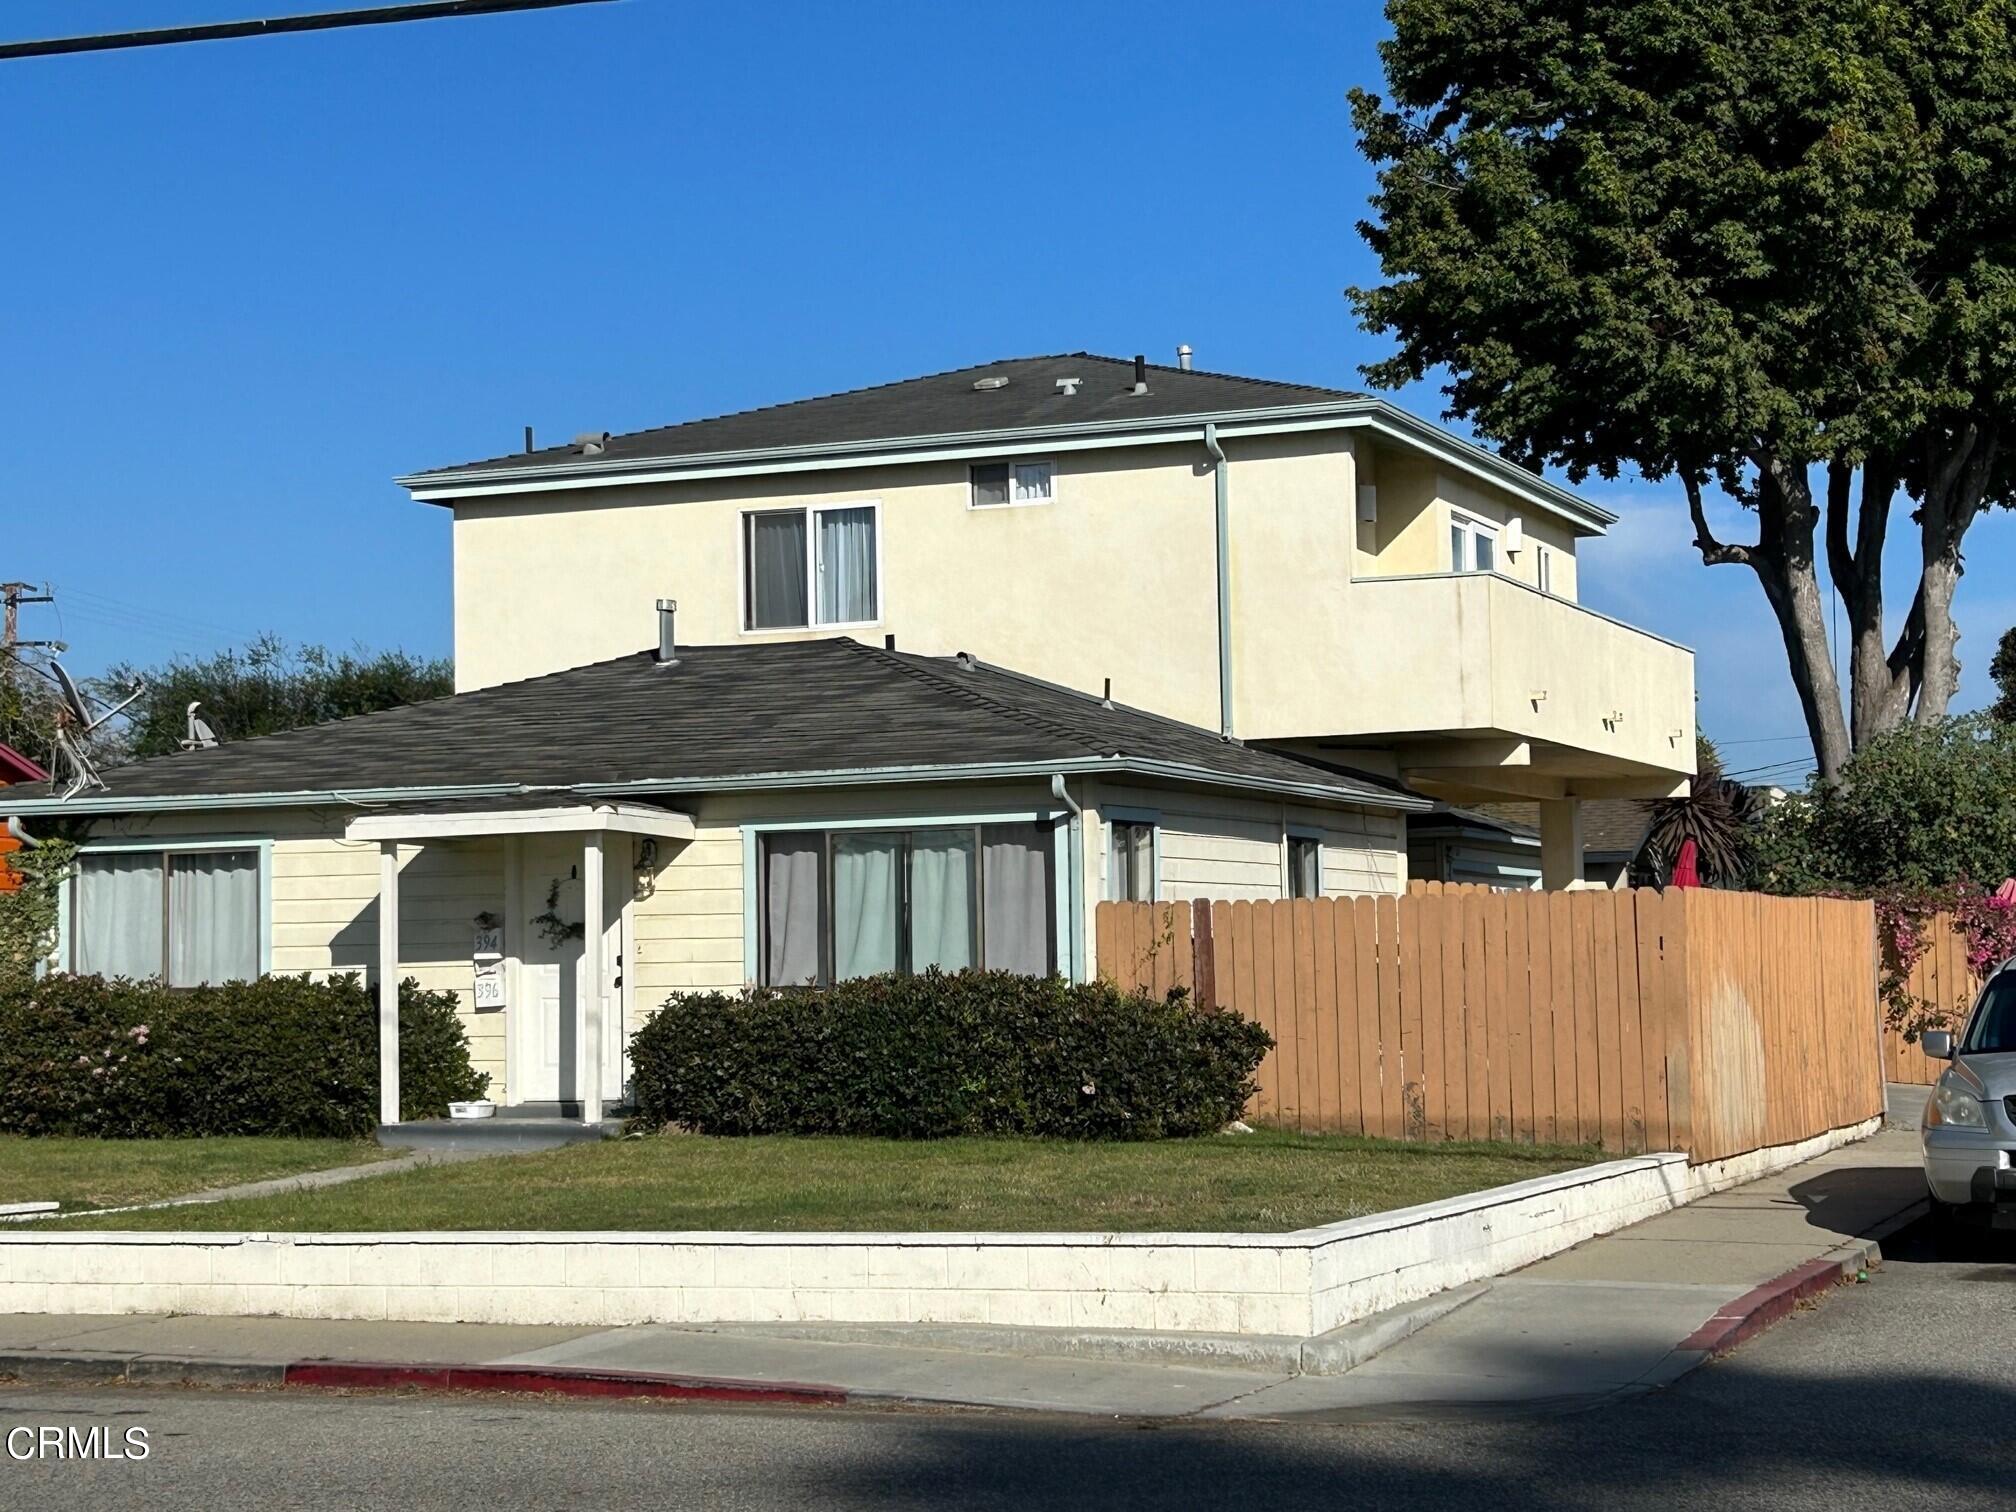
point(118, 1059)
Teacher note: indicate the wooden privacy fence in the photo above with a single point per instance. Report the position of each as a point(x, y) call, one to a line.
point(1709, 1022)
point(1943, 979)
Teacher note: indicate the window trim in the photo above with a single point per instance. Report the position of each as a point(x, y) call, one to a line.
point(263, 844)
point(1307, 835)
point(1065, 957)
point(1474, 526)
point(811, 510)
point(1119, 814)
point(1011, 502)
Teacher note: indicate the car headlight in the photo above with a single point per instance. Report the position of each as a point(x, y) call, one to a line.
point(1951, 1106)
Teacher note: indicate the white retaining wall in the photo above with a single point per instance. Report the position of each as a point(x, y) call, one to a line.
point(1297, 1284)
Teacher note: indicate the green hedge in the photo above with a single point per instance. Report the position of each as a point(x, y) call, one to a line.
point(924, 1057)
point(283, 1055)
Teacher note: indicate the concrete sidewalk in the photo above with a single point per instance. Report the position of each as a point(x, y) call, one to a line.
point(1622, 1314)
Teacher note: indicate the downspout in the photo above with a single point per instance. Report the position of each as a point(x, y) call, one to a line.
point(27, 840)
point(1074, 885)
point(1221, 488)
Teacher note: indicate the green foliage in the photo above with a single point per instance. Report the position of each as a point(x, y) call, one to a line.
point(282, 1055)
point(1923, 807)
point(1673, 233)
point(27, 713)
point(269, 687)
point(932, 1056)
point(29, 912)
point(2003, 670)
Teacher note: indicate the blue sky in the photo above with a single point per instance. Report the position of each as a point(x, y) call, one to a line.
point(252, 281)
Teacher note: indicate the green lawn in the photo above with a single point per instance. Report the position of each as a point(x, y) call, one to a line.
point(1264, 1181)
point(109, 1172)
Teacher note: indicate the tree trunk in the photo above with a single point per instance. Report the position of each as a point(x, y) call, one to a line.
point(1957, 477)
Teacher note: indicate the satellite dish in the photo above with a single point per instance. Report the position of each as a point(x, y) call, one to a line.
point(76, 722)
point(73, 696)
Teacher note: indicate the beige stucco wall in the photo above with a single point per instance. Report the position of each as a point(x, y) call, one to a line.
point(1114, 579)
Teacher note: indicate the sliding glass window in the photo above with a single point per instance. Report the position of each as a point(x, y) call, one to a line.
point(850, 903)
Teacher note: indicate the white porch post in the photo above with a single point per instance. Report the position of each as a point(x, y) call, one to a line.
point(592, 932)
point(1560, 843)
point(388, 981)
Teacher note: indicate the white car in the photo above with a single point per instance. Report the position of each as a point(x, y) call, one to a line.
point(1969, 1127)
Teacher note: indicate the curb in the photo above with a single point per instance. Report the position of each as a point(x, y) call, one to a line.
point(340, 1375)
point(1761, 1306)
point(556, 1381)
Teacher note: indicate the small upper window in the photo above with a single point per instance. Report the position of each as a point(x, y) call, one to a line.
point(998, 483)
point(1473, 545)
point(1305, 867)
point(1543, 563)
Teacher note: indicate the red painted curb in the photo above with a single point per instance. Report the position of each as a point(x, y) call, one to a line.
point(556, 1380)
point(1761, 1306)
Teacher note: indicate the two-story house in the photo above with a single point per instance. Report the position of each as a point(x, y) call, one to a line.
point(952, 659)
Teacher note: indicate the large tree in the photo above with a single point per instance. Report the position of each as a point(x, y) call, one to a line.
point(1761, 246)
point(2003, 670)
point(268, 687)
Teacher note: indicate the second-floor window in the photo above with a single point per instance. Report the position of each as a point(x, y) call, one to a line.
point(1473, 545)
point(1543, 567)
point(805, 567)
point(999, 483)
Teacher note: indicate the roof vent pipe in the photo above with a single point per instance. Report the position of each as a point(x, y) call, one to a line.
point(668, 642)
point(1183, 356)
point(1140, 373)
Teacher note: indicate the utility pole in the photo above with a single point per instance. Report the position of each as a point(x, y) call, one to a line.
point(12, 597)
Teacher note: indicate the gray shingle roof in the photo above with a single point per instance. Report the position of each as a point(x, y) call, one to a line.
point(722, 713)
point(947, 404)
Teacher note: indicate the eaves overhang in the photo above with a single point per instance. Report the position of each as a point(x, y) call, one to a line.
point(454, 484)
point(1314, 790)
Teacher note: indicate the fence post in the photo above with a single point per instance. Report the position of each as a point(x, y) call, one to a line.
point(1203, 953)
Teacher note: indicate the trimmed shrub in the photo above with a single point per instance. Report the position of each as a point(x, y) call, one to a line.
point(282, 1055)
point(927, 1057)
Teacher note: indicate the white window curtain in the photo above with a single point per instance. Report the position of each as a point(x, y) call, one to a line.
point(1131, 868)
point(1032, 482)
point(1305, 868)
point(941, 900)
point(777, 570)
point(791, 866)
point(846, 566)
point(116, 915)
point(1015, 882)
point(865, 904)
point(213, 917)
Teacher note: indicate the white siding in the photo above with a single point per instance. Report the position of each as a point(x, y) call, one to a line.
point(1228, 848)
point(325, 903)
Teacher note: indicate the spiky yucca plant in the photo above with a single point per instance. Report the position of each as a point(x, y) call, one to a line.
point(1718, 815)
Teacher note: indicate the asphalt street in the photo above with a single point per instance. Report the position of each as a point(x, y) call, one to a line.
point(1895, 1393)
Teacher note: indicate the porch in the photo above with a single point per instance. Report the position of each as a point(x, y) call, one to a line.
point(553, 962)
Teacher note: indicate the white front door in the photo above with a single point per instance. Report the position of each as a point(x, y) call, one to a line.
point(552, 972)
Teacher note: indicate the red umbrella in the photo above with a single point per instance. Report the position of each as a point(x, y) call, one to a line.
point(1687, 865)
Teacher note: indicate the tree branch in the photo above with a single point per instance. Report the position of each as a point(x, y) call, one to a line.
point(1713, 552)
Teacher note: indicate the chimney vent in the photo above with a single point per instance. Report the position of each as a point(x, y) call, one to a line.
point(1183, 356)
point(1140, 373)
point(668, 641)
point(528, 440)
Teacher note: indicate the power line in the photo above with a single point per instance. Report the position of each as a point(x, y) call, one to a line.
point(273, 26)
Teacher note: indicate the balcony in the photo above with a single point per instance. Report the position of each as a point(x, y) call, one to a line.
point(1487, 688)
